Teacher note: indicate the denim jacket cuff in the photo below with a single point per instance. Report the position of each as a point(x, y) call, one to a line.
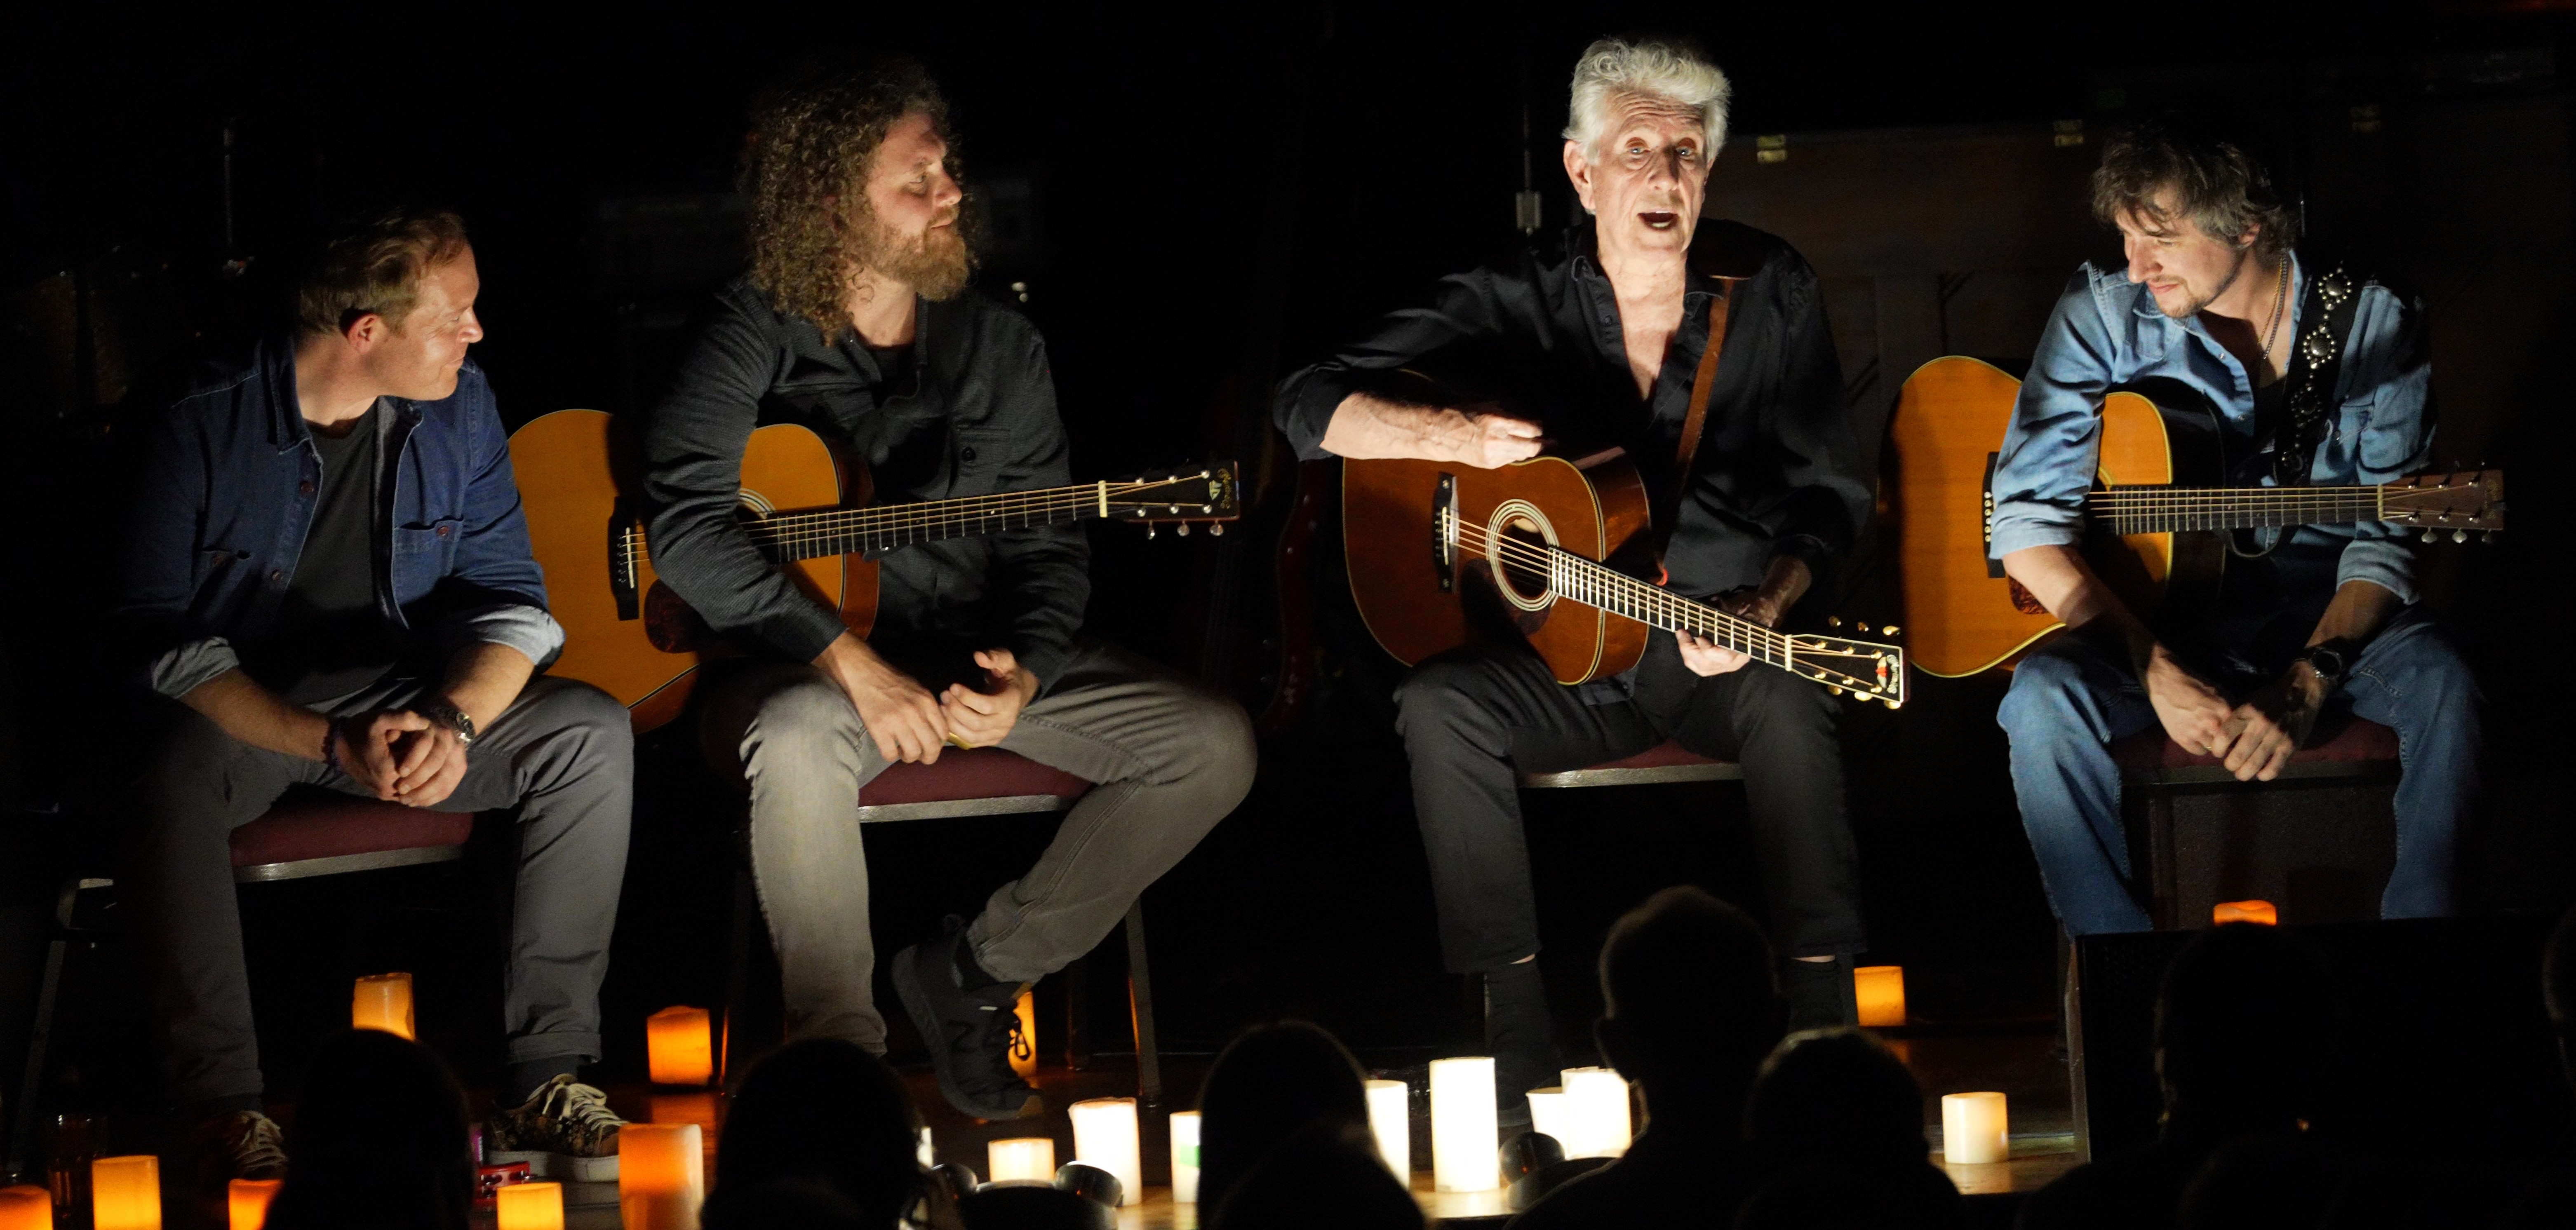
point(180, 670)
point(528, 629)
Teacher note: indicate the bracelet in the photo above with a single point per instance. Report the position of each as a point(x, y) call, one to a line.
point(331, 745)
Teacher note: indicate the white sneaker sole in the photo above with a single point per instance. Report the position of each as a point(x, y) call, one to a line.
point(561, 1167)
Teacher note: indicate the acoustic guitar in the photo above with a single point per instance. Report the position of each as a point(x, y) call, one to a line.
point(805, 504)
point(1442, 554)
point(2157, 519)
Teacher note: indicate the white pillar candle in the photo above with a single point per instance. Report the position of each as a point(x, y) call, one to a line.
point(1031, 1157)
point(1973, 1128)
point(1464, 1139)
point(923, 1152)
point(1104, 1135)
point(1185, 1157)
point(1598, 1101)
point(1549, 1116)
point(661, 1175)
point(1390, 1111)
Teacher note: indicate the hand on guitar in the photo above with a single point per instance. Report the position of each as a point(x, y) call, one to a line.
point(1763, 604)
point(981, 719)
point(2274, 722)
point(900, 714)
point(2195, 713)
point(1366, 425)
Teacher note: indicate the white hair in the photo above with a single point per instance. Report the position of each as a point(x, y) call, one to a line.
point(1671, 71)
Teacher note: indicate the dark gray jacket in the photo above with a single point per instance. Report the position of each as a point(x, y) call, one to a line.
point(972, 413)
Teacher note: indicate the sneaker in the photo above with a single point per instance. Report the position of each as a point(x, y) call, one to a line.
point(968, 1032)
point(244, 1144)
point(564, 1131)
point(1521, 1036)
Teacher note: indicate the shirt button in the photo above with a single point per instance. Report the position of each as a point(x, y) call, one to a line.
point(304, 488)
point(969, 454)
point(442, 530)
point(277, 576)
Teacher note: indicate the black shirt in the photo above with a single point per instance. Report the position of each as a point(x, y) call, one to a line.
point(1779, 468)
point(330, 638)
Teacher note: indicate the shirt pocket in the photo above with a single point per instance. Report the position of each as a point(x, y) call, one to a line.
point(989, 460)
point(422, 555)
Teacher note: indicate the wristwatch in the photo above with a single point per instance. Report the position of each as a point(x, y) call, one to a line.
point(2331, 660)
point(443, 711)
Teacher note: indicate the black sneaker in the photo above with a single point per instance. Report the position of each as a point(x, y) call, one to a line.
point(968, 1032)
point(1521, 1035)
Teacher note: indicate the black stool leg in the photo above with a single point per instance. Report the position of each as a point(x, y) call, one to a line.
point(22, 1131)
point(1140, 1010)
point(746, 920)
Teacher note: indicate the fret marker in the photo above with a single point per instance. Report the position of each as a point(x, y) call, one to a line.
point(1104, 498)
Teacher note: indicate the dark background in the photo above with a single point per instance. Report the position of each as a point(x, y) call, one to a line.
point(1194, 203)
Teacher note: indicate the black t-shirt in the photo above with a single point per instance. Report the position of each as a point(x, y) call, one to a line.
point(330, 639)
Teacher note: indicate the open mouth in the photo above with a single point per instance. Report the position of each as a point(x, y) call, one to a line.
point(1660, 219)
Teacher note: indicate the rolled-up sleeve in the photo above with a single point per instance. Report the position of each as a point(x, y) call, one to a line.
point(2387, 409)
point(181, 668)
point(2051, 446)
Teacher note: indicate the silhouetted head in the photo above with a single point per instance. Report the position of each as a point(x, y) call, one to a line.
point(1839, 1095)
point(379, 1141)
point(784, 1204)
point(2238, 1024)
point(823, 1110)
point(1692, 1001)
point(2558, 988)
point(2260, 1183)
point(1269, 1084)
point(1326, 1174)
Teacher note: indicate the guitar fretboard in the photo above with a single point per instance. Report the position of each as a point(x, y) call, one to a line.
point(1576, 579)
point(2162, 510)
point(849, 531)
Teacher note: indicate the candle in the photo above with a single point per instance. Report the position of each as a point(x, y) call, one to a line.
point(26, 1207)
point(249, 1200)
point(1973, 1128)
point(1596, 1100)
point(125, 1193)
point(1463, 1132)
point(1185, 1156)
point(1881, 992)
point(661, 1175)
point(2246, 912)
point(382, 1001)
point(676, 1046)
point(923, 1152)
point(1104, 1135)
point(1390, 1111)
point(1031, 1157)
point(1549, 1116)
point(529, 1206)
point(1024, 1049)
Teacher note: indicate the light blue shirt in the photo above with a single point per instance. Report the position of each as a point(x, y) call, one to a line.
point(2107, 333)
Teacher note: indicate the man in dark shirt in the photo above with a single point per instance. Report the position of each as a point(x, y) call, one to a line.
point(327, 583)
point(855, 321)
point(1604, 338)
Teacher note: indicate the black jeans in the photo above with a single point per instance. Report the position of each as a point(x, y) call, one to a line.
point(1474, 717)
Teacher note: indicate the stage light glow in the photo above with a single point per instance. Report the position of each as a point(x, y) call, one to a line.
point(677, 1047)
point(1881, 992)
point(26, 1207)
point(529, 1206)
point(1596, 1104)
point(1185, 1156)
point(1024, 1051)
point(661, 1175)
point(1104, 1135)
point(125, 1193)
point(247, 1201)
point(1464, 1137)
point(1974, 1129)
point(1390, 1111)
point(1031, 1157)
point(2246, 912)
point(382, 1001)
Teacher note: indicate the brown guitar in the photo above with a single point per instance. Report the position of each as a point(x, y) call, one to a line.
point(805, 505)
point(2158, 517)
point(1442, 554)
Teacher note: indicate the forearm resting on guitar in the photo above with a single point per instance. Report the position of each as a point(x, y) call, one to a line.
point(255, 716)
point(2060, 579)
point(1368, 427)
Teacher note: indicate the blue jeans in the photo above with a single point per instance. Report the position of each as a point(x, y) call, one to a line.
point(2070, 699)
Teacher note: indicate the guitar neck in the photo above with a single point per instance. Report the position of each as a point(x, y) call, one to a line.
point(854, 531)
point(1577, 579)
point(2164, 510)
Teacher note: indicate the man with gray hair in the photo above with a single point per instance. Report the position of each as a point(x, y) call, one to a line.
point(1607, 334)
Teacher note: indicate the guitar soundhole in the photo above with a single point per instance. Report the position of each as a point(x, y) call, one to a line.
point(671, 624)
point(1522, 556)
point(2023, 601)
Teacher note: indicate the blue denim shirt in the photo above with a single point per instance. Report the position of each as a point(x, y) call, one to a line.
point(2107, 332)
point(226, 494)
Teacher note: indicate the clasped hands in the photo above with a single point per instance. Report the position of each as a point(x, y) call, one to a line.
point(401, 757)
point(2254, 739)
point(909, 722)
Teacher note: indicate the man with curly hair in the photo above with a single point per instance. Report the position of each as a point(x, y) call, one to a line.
point(855, 321)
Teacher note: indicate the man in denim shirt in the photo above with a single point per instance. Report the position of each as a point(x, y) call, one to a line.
point(327, 582)
point(2211, 303)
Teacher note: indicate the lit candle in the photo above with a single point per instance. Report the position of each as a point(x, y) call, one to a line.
point(923, 1152)
point(1973, 1128)
point(383, 1001)
point(1185, 1156)
point(1549, 1116)
point(249, 1201)
point(1597, 1102)
point(676, 1047)
point(125, 1193)
point(1881, 992)
point(2245, 912)
point(1390, 1110)
point(661, 1175)
point(1031, 1157)
point(1464, 1138)
point(1104, 1135)
point(1024, 1052)
point(529, 1206)
point(24, 1207)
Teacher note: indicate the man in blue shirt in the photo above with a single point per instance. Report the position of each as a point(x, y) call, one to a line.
point(2211, 303)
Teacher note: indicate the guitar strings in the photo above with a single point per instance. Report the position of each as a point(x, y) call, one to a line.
point(2146, 509)
point(839, 525)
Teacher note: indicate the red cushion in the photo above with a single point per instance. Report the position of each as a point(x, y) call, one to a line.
point(1664, 755)
point(2339, 737)
point(327, 826)
point(977, 773)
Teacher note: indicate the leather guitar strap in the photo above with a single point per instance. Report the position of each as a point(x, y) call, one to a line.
point(1695, 422)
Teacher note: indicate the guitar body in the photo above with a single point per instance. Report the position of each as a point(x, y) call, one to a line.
point(580, 480)
point(1965, 616)
point(1389, 537)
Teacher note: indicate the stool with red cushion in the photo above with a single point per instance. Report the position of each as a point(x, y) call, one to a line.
point(1665, 762)
point(321, 834)
point(2318, 842)
point(984, 781)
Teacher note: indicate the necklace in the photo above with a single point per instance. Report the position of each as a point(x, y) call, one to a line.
point(2280, 300)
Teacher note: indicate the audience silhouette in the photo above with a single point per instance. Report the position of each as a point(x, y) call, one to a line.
point(1837, 1121)
point(1693, 1005)
point(2550, 1198)
point(379, 1141)
point(1268, 1085)
point(824, 1112)
point(1325, 1174)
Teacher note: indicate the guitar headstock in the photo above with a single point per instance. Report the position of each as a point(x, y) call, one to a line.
point(1868, 670)
point(2459, 502)
point(1210, 494)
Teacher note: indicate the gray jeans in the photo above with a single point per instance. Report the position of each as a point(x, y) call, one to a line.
point(1170, 761)
point(563, 753)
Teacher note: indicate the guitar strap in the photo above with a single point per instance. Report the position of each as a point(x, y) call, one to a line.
point(1695, 421)
point(2315, 363)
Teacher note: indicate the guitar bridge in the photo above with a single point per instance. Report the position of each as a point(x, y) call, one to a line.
point(1444, 533)
point(1994, 567)
point(623, 537)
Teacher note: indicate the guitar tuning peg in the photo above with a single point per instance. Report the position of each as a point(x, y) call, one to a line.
point(1836, 689)
point(1833, 621)
point(1889, 630)
point(2490, 536)
point(1216, 529)
point(2430, 536)
point(1149, 529)
point(1183, 529)
point(2459, 535)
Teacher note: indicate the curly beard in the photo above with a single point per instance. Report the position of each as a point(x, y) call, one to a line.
point(935, 263)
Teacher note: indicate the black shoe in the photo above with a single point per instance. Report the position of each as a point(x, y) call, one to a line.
point(1522, 1037)
point(1820, 993)
point(968, 1032)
